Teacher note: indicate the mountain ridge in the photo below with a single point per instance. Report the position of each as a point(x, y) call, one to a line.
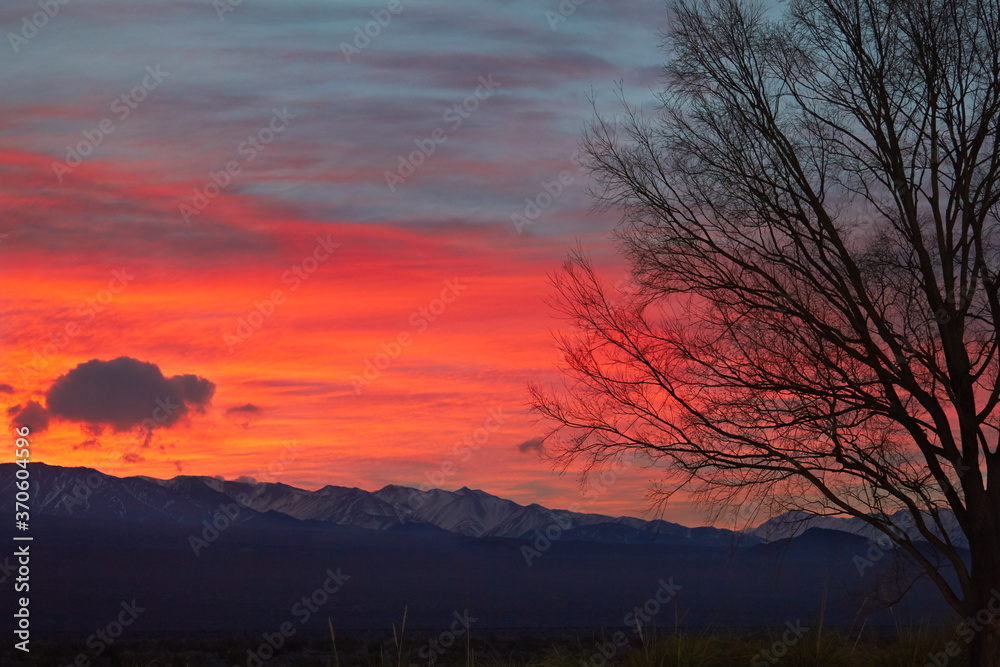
point(81, 491)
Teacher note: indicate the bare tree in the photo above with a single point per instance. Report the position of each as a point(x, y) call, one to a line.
point(811, 216)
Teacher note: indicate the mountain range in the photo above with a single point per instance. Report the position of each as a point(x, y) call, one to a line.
point(88, 493)
point(210, 557)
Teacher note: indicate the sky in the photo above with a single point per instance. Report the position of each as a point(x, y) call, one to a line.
point(305, 233)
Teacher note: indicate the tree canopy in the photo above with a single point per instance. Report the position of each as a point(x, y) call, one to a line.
point(811, 218)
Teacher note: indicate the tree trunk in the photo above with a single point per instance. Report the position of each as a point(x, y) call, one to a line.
point(984, 651)
point(981, 625)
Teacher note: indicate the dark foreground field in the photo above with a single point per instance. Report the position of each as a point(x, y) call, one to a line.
point(556, 649)
point(256, 577)
point(267, 593)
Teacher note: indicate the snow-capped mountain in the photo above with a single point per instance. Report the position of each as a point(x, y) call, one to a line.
point(87, 493)
point(333, 504)
point(793, 524)
point(83, 492)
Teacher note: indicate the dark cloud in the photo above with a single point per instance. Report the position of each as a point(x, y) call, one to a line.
point(247, 408)
point(32, 415)
point(195, 391)
point(123, 393)
point(538, 490)
point(132, 457)
point(534, 445)
point(92, 443)
point(6, 389)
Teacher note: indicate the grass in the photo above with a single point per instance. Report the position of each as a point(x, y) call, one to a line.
point(645, 647)
point(651, 648)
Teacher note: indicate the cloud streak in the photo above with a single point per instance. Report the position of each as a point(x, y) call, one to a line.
point(325, 175)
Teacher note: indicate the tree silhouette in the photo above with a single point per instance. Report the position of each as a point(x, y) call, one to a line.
point(811, 216)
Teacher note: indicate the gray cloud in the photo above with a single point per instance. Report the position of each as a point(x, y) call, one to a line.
point(248, 408)
point(534, 445)
point(90, 443)
point(123, 393)
point(32, 415)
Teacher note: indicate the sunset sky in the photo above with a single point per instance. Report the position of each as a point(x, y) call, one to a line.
point(257, 200)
